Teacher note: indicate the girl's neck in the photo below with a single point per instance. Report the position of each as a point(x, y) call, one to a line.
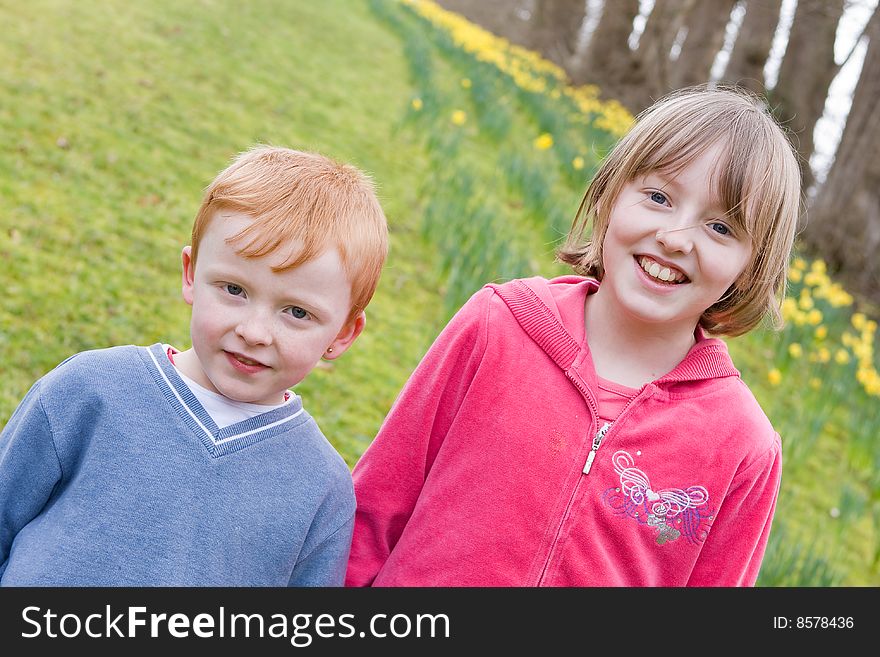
point(628, 352)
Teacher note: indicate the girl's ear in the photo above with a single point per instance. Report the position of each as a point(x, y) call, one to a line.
point(346, 337)
point(188, 275)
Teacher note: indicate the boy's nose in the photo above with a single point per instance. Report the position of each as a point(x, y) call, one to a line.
point(254, 330)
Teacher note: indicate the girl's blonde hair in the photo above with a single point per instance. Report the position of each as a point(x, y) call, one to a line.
point(757, 181)
point(303, 198)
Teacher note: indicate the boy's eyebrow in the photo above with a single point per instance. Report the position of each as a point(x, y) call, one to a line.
point(305, 298)
point(300, 299)
point(312, 304)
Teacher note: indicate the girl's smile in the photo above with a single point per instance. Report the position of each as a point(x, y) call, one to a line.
point(670, 252)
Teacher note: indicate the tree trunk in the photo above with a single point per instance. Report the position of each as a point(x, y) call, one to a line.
point(806, 72)
point(705, 22)
point(752, 47)
point(844, 220)
point(608, 59)
point(554, 29)
point(504, 18)
point(650, 74)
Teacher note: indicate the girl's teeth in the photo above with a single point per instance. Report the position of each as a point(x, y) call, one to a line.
point(655, 270)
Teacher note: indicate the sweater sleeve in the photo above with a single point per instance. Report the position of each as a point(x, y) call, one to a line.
point(389, 476)
point(325, 565)
point(734, 548)
point(29, 469)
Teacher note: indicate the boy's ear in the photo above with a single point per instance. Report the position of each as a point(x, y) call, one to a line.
point(346, 337)
point(188, 274)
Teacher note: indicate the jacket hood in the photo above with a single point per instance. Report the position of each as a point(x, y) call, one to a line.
point(536, 304)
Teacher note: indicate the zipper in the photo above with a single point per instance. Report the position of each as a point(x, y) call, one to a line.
point(597, 440)
point(600, 435)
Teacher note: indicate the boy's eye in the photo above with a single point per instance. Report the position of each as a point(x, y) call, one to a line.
point(234, 290)
point(298, 312)
point(659, 197)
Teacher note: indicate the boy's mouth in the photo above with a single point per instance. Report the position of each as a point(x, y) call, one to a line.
point(244, 360)
point(661, 272)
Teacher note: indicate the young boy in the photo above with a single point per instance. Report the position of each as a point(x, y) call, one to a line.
point(139, 466)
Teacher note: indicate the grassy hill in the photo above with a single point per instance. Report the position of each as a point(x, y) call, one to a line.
point(115, 116)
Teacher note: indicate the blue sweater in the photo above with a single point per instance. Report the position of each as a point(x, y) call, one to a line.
point(112, 474)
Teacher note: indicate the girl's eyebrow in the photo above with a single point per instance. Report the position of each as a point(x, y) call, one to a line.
point(669, 181)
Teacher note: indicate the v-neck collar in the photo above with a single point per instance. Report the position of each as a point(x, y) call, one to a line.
point(218, 441)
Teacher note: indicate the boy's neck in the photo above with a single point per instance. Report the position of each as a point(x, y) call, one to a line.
point(628, 352)
point(188, 363)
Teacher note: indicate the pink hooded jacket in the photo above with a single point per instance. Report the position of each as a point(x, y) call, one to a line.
point(490, 469)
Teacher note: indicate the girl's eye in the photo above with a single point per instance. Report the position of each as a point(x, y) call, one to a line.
point(234, 290)
point(298, 312)
point(659, 197)
point(720, 228)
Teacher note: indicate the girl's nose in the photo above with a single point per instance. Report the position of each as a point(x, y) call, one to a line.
point(677, 239)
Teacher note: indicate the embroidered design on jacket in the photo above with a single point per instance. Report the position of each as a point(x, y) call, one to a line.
point(673, 512)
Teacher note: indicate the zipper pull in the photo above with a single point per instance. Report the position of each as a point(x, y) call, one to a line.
point(597, 440)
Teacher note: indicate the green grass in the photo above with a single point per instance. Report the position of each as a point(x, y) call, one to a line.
point(113, 122)
point(115, 116)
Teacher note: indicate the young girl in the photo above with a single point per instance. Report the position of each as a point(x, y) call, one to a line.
point(587, 431)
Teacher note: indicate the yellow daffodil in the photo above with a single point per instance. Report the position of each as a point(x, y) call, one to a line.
point(821, 332)
point(526, 68)
point(870, 380)
point(466, 83)
point(795, 350)
point(577, 163)
point(774, 376)
point(813, 279)
point(859, 320)
point(544, 142)
point(836, 295)
point(863, 351)
point(806, 301)
point(458, 118)
point(416, 104)
point(789, 308)
point(814, 317)
point(841, 357)
point(795, 275)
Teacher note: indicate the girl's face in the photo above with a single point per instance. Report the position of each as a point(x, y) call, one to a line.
point(669, 253)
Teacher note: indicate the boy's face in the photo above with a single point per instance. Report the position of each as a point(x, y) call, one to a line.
point(255, 333)
point(669, 252)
